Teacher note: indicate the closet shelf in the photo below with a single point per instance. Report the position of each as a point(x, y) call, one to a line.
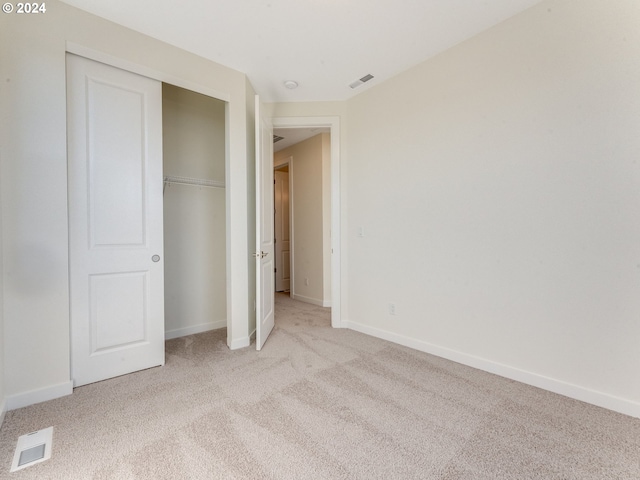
point(199, 182)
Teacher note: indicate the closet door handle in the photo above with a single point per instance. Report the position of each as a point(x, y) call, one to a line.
point(155, 258)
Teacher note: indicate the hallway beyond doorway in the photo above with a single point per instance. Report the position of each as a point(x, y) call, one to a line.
point(290, 312)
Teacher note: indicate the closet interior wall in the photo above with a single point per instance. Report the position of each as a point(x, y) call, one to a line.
point(194, 212)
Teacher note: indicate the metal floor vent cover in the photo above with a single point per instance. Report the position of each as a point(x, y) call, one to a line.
point(32, 448)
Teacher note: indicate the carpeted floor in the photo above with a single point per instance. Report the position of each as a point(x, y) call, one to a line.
point(320, 403)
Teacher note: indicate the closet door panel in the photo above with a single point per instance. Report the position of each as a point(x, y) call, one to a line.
point(115, 221)
point(116, 168)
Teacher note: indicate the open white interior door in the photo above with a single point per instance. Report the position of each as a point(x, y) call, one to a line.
point(115, 220)
point(265, 288)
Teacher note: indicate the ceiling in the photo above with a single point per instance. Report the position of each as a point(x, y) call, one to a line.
point(323, 45)
point(291, 136)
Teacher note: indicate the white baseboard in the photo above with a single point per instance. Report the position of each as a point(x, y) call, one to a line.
point(203, 327)
point(242, 342)
point(312, 301)
point(239, 343)
point(41, 395)
point(600, 399)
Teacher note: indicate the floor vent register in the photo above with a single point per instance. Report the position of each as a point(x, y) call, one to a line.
point(32, 448)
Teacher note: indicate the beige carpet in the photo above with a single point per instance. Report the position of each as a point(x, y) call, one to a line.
point(319, 403)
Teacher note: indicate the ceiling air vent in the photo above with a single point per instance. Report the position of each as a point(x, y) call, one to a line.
point(277, 138)
point(359, 82)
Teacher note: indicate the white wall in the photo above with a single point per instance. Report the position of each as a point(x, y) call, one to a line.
point(194, 217)
point(309, 196)
point(498, 186)
point(36, 292)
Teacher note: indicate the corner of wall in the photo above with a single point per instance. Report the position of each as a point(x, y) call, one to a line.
point(3, 411)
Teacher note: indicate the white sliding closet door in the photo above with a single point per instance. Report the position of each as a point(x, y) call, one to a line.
point(115, 220)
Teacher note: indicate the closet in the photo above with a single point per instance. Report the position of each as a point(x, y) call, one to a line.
point(194, 212)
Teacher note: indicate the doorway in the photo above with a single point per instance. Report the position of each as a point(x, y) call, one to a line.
point(314, 207)
point(194, 212)
point(282, 227)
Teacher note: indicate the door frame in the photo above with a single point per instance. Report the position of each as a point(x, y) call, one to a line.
point(333, 123)
point(164, 77)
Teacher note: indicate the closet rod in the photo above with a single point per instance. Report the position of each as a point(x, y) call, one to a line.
point(199, 182)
